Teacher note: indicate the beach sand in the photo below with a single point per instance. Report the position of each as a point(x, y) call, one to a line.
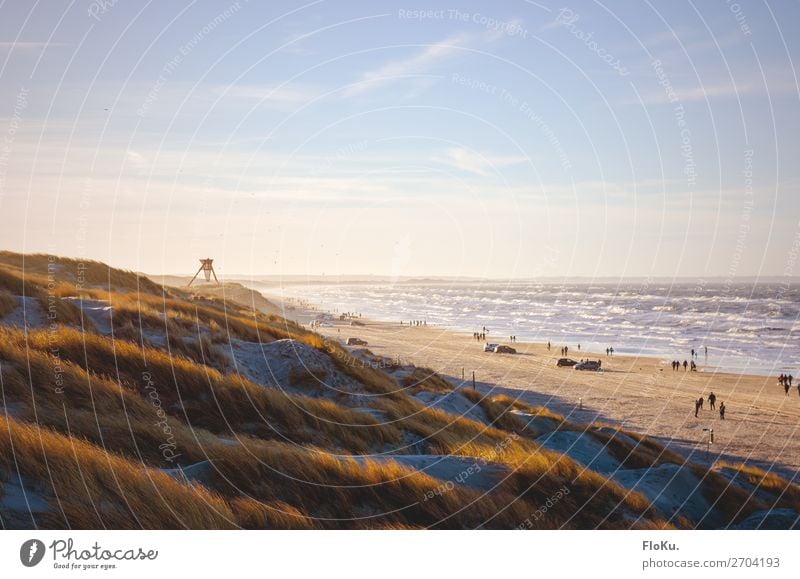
point(638, 393)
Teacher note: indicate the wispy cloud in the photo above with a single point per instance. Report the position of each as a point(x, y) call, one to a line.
point(275, 95)
point(477, 163)
point(419, 63)
point(30, 45)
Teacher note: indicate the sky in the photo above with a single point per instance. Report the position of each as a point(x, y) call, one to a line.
point(506, 140)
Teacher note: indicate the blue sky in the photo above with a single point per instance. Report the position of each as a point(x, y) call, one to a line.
point(515, 140)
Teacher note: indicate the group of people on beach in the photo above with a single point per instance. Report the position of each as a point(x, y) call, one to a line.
point(712, 404)
point(676, 365)
point(480, 336)
point(610, 351)
point(786, 380)
point(512, 339)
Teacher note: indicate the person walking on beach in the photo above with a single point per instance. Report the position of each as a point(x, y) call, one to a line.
point(694, 366)
point(786, 386)
point(791, 378)
point(548, 346)
point(700, 401)
point(692, 356)
point(579, 347)
point(685, 365)
point(566, 350)
point(712, 401)
point(696, 407)
point(706, 349)
point(722, 411)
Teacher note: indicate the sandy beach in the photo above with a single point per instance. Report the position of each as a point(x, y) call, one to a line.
point(639, 393)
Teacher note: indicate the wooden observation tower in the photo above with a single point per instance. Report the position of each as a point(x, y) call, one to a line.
point(207, 267)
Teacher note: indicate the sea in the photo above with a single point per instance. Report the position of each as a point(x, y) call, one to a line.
point(749, 328)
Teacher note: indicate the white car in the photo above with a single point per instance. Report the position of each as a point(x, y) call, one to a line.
point(489, 347)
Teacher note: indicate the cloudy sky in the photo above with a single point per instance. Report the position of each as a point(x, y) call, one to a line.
point(464, 138)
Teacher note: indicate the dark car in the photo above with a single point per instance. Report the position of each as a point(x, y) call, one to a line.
point(590, 365)
point(356, 342)
point(566, 362)
point(501, 349)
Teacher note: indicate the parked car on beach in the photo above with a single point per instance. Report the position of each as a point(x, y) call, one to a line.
point(590, 365)
point(566, 362)
point(501, 349)
point(356, 342)
point(489, 347)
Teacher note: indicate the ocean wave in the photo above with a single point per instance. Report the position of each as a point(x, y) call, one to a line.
point(755, 329)
point(740, 319)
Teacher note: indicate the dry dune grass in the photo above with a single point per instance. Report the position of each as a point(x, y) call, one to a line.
point(58, 310)
point(61, 395)
point(223, 320)
point(539, 473)
point(785, 492)
point(92, 489)
point(203, 397)
point(372, 379)
point(7, 303)
point(498, 411)
point(357, 493)
point(427, 379)
point(253, 514)
point(643, 455)
point(443, 433)
point(77, 272)
point(732, 502)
